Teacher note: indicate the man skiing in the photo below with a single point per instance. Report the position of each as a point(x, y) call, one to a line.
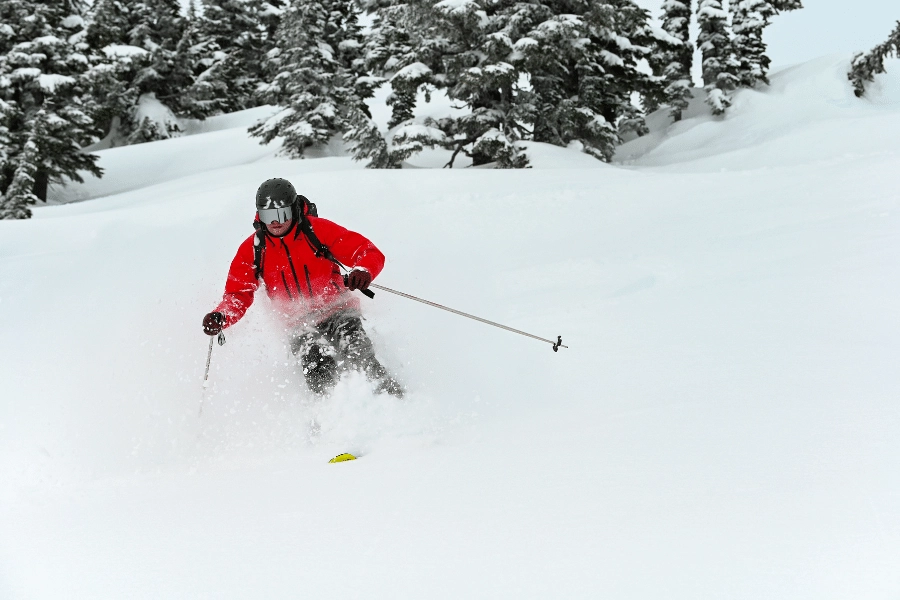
point(298, 257)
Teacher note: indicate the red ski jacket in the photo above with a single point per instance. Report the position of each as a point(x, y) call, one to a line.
point(304, 289)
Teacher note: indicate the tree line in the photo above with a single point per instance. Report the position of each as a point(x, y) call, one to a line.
point(577, 73)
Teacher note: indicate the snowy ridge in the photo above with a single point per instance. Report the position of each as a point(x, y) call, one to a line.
point(808, 109)
point(722, 426)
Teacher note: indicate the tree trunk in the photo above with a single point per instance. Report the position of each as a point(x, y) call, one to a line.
point(479, 158)
point(41, 182)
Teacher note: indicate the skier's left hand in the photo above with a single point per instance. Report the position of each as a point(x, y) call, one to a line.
point(359, 279)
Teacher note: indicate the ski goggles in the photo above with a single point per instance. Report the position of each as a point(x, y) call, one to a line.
point(280, 215)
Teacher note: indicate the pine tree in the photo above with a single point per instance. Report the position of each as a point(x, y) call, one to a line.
point(401, 49)
point(20, 192)
point(405, 85)
point(43, 124)
point(159, 24)
point(113, 66)
point(166, 34)
point(582, 62)
point(748, 20)
point(365, 141)
point(235, 34)
point(152, 62)
point(111, 23)
point(673, 59)
point(580, 59)
point(319, 79)
point(621, 29)
point(270, 13)
point(113, 97)
point(719, 63)
point(194, 93)
point(475, 48)
point(786, 5)
point(865, 67)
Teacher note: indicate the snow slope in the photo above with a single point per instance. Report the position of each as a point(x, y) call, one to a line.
point(808, 115)
point(722, 426)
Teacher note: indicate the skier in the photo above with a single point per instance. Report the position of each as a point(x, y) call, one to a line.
point(298, 258)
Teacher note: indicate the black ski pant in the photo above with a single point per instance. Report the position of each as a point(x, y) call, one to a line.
point(336, 344)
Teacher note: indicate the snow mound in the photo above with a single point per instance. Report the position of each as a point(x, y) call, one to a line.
point(809, 113)
point(218, 143)
point(548, 156)
point(240, 119)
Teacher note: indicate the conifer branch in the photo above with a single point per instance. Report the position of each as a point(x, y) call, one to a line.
point(865, 67)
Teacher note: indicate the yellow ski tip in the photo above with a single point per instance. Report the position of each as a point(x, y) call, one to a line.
point(342, 458)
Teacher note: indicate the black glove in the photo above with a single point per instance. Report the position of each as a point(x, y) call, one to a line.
point(359, 279)
point(212, 323)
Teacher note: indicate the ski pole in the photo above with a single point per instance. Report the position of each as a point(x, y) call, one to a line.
point(556, 345)
point(208, 360)
point(221, 338)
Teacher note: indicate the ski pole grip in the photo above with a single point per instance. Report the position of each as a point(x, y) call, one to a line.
point(368, 293)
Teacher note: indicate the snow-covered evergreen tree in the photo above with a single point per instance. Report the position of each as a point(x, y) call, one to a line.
point(673, 58)
point(320, 75)
point(43, 124)
point(403, 49)
point(111, 22)
point(786, 5)
point(748, 20)
point(719, 64)
point(582, 63)
point(405, 85)
point(115, 64)
point(235, 34)
point(166, 84)
point(366, 142)
point(269, 13)
point(473, 63)
point(147, 73)
point(113, 98)
point(556, 71)
point(866, 66)
point(192, 91)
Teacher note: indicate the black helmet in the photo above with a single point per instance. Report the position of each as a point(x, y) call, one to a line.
point(275, 193)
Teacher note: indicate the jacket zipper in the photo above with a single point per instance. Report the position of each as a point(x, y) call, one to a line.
point(308, 284)
point(286, 286)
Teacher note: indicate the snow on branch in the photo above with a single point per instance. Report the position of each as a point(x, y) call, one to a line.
point(456, 6)
point(50, 81)
point(414, 72)
point(123, 51)
point(661, 35)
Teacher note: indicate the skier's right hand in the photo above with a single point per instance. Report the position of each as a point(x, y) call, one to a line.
point(212, 323)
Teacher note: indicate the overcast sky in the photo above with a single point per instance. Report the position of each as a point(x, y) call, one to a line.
point(829, 26)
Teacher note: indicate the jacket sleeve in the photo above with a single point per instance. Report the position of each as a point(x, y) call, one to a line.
point(240, 286)
point(349, 247)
